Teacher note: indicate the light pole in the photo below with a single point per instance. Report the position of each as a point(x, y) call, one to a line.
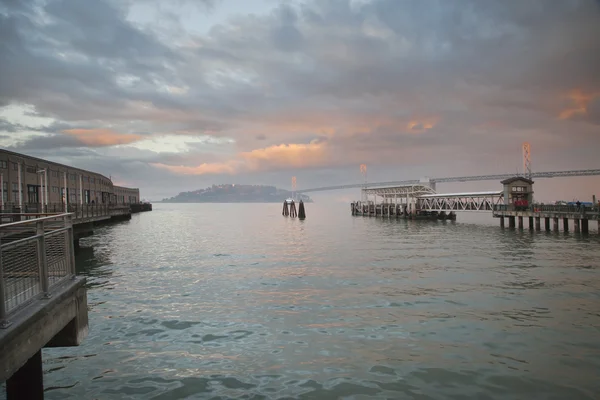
point(43, 188)
point(2, 192)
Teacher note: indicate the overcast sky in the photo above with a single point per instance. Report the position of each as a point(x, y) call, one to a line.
point(173, 95)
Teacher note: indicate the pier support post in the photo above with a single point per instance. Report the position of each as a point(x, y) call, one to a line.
point(566, 224)
point(576, 225)
point(28, 381)
point(555, 224)
point(520, 222)
point(530, 223)
point(547, 223)
point(501, 222)
point(537, 224)
point(585, 226)
point(511, 221)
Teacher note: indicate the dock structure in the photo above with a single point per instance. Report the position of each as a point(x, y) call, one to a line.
point(395, 201)
point(32, 188)
point(42, 301)
point(514, 202)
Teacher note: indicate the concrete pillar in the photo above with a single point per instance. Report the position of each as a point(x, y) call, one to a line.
point(501, 222)
point(576, 225)
point(555, 224)
point(585, 226)
point(530, 223)
point(566, 224)
point(537, 224)
point(511, 221)
point(547, 223)
point(520, 222)
point(28, 381)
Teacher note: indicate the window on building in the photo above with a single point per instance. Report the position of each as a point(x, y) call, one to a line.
point(3, 164)
point(72, 177)
point(93, 180)
point(15, 166)
point(4, 192)
point(31, 170)
point(55, 174)
point(54, 189)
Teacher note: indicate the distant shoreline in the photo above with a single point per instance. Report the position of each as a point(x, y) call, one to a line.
point(236, 193)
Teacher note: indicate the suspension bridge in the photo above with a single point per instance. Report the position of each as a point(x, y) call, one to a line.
point(473, 178)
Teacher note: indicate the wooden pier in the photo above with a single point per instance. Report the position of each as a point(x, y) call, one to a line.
point(42, 302)
point(514, 202)
point(553, 216)
point(392, 210)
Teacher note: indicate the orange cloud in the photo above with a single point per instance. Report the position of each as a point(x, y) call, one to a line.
point(286, 155)
point(202, 169)
point(421, 125)
point(273, 157)
point(102, 137)
point(580, 101)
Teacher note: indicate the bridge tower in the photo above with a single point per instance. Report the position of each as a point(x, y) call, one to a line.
point(363, 171)
point(294, 187)
point(527, 160)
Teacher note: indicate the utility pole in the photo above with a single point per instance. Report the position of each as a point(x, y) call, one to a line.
point(527, 160)
point(363, 171)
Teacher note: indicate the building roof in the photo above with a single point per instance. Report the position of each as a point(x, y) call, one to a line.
point(466, 194)
point(41, 160)
point(516, 178)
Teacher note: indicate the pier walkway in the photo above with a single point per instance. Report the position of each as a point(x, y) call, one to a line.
point(42, 301)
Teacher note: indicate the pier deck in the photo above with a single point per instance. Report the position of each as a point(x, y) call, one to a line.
point(42, 302)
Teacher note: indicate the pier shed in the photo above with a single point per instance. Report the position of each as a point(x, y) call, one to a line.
point(517, 188)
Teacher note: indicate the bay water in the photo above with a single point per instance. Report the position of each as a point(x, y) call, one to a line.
point(220, 301)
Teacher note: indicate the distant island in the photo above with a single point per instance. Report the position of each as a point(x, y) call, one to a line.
point(234, 193)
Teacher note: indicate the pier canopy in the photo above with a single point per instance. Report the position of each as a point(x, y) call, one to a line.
point(466, 194)
point(391, 192)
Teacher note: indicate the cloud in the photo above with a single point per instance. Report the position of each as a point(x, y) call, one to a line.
point(316, 85)
point(282, 157)
point(202, 169)
point(579, 101)
point(102, 137)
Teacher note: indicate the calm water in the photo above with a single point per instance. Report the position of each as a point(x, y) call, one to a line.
point(224, 301)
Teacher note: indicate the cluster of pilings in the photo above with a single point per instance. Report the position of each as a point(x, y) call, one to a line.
point(289, 210)
point(535, 222)
point(371, 209)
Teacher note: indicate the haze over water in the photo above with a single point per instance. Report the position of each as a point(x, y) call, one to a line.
point(223, 301)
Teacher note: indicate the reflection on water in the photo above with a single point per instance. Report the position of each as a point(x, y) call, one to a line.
point(235, 301)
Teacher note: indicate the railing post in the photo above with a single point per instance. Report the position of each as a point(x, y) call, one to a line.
point(42, 264)
point(4, 323)
point(69, 245)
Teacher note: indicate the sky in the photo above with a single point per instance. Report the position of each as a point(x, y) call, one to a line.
point(177, 95)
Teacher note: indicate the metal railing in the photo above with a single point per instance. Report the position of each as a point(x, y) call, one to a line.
point(35, 256)
point(550, 208)
point(13, 213)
